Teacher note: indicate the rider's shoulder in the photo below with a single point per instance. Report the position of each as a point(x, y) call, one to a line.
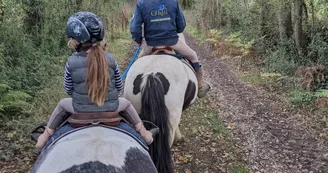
point(110, 58)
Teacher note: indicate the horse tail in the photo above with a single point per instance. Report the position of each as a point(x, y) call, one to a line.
point(153, 109)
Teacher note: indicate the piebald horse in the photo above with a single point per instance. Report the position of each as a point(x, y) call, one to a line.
point(95, 148)
point(160, 87)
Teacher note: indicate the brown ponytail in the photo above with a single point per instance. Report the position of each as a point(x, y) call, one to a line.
point(98, 77)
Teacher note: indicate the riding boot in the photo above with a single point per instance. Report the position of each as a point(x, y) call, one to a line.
point(43, 138)
point(203, 87)
point(147, 135)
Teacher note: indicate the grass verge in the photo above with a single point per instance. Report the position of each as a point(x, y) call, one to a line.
point(208, 144)
point(16, 148)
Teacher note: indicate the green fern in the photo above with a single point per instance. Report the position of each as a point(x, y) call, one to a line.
point(12, 96)
point(12, 102)
point(4, 88)
point(322, 93)
point(215, 32)
point(270, 75)
point(14, 106)
point(211, 40)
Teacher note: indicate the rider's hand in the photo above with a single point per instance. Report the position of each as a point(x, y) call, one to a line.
point(140, 42)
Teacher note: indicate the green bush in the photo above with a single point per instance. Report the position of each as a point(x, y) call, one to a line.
point(302, 99)
point(33, 46)
point(321, 93)
point(283, 60)
point(318, 50)
point(12, 102)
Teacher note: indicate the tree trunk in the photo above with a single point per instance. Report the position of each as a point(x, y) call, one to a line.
point(285, 22)
point(313, 19)
point(264, 18)
point(220, 12)
point(2, 11)
point(298, 25)
point(78, 5)
point(212, 13)
point(187, 4)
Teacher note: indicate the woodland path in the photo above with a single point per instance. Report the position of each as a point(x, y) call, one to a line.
point(264, 134)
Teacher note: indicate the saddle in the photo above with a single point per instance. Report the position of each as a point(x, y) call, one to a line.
point(166, 50)
point(84, 119)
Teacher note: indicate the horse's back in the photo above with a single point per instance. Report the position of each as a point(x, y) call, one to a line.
point(166, 64)
point(95, 149)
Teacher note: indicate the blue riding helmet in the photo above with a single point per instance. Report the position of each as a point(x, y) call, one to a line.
point(84, 27)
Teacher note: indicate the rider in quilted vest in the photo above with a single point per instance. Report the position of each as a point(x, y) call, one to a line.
point(92, 78)
point(163, 20)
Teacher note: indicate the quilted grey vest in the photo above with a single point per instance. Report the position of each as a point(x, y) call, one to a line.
point(81, 101)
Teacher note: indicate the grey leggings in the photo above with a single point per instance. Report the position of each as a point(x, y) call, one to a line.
point(58, 116)
point(181, 47)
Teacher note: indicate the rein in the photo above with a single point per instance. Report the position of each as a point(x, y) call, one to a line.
point(131, 62)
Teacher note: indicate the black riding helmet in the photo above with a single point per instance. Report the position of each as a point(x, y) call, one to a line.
point(85, 27)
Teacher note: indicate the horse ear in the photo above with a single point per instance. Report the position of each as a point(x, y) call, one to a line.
point(136, 84)
point(165, 82)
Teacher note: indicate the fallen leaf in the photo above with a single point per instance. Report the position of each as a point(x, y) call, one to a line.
point(187, 170)
point(230, 126)
point(185, 160)
point(203, 149)
point(324, 135)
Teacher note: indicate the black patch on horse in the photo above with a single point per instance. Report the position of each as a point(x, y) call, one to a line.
point(135, 161)
point(136, 84)
point(165, 82)
point(138, 80)
point(189, 94)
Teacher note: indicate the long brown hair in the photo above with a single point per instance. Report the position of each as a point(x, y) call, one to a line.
point(98, 77)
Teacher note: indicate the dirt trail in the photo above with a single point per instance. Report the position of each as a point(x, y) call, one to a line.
point(272, 138)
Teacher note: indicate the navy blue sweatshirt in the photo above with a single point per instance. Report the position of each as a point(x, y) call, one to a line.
point(162, 19)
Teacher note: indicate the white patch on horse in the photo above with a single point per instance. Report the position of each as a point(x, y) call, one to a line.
point(91, 144)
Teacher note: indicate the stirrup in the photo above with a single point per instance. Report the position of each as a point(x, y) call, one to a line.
point(154, 130)
point(37, 131)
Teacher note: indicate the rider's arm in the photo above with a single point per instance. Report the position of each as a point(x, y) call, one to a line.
point(68, 83)
point(180, 20)
point(136, 25)
point(118, 79)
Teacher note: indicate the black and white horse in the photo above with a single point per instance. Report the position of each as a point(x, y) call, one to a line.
point(95, 149)
point(160, 87)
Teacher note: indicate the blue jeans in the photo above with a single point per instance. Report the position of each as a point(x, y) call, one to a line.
point(66, 128)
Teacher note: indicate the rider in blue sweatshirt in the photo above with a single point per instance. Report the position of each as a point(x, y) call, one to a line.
point(163, 20)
